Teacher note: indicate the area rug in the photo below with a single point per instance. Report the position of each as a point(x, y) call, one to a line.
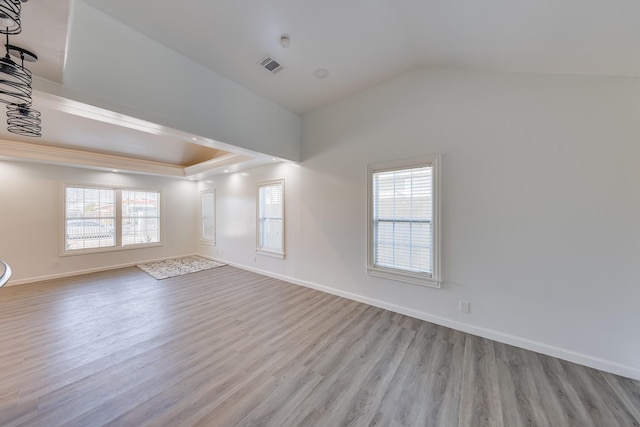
point(178, 266)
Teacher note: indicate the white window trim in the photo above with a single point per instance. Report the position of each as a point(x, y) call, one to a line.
point(215, 215)
point(433, 280)
point(261, 250)
point(63, 252)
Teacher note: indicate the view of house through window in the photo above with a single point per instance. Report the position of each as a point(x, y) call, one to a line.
point(402, 222)
point(271, 218)
point(140, 217)
point(91, 218)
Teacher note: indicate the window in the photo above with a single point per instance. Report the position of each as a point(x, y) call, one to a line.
point(207, 217)
point(403, 221)
point(271, 218)
point(100, 219)
point(90, 218)
point(140, 217)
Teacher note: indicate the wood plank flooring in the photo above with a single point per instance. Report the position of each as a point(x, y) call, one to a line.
point(226, 347)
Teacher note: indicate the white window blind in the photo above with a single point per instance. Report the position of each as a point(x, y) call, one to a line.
point(271, 217)
point(402, 229)
point(89, 218)
point(208, 209)
point(140, 217)
point(106, 219)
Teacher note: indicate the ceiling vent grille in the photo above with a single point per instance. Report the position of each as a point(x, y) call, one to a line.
point(270, 64)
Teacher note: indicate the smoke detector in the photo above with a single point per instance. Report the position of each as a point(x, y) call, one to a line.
point(270, 64)
point(285, 41)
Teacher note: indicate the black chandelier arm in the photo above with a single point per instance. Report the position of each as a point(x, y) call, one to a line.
point(22, 53)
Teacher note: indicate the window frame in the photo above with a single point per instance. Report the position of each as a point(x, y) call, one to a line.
point(118, 246)
point(263, 250)
point(203, 239)
point(431, 280)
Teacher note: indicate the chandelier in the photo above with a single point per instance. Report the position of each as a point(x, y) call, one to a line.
point(16, 79)
point(10, 16)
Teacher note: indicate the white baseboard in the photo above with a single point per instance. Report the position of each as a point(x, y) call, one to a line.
point(87, 271)
point(539, 347)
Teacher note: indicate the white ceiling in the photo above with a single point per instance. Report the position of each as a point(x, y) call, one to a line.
point(90, 132)
point(66, 129)
point(44, 31)
point(79, 134)
point(360, 43)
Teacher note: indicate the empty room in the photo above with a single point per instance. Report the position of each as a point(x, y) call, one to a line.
point(320, 213)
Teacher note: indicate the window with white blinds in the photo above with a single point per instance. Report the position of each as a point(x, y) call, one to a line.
point(208, 217)
point(270, 225)
point(403, 220)
point(140, 217)
point(90, 218)
point(99, 219)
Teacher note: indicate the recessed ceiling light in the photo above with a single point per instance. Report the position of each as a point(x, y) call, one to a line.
point(226, 171)
point(114, 170)
point(195, 139)
point(274, 159)
point(321, 73)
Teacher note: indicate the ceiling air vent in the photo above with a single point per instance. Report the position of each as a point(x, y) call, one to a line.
point(270, 64)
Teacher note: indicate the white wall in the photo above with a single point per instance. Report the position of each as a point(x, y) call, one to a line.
point(541, 208)
point(117, 68)
point(32, 206)
point(236, 218)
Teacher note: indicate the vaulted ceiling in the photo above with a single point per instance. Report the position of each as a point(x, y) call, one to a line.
point(358, 42)
point(362, 42)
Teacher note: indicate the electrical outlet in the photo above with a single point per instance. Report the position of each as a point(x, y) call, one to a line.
point(465, 307)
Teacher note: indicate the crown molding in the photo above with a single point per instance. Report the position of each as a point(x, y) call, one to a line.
point(78, 158)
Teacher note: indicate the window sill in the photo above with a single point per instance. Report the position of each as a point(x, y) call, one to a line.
point(407, 277)
point(273, 254)
point(109, 249)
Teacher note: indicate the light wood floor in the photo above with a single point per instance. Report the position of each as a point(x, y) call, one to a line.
point(228, 347)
